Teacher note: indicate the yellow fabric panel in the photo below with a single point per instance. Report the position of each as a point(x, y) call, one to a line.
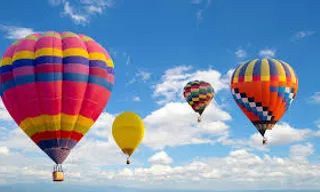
point(97, 56)
point(128, 131)
point(49, 52)
point(265, 70)
point(249, 71)
point(75, 52)
point(62, 122)
point(110, 63)
point(23, 55)
point(5, 61)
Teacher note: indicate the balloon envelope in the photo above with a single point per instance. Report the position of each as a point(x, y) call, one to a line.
point(198, 94)
point(128, 131)
point(264, 89)
point(55, 85)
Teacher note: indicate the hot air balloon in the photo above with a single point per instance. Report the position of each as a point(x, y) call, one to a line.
point(128, 132)
point(264, 89)
point(55, 86)
point(198, 94)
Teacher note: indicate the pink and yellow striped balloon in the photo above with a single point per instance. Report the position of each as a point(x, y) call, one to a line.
point(55, 86)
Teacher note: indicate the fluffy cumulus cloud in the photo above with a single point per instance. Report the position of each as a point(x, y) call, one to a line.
point(80, 12)
point(300, 150)
point(160, 158)
point(171, 86)
point(16, 32)
point(281, 134)
point(240, 169)
point(175, 124)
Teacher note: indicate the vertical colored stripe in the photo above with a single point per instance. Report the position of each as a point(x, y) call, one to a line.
point(257, 70)
point(281, 71)
point(286, 69)
point(236, 76)
point(273, 68)
point(265, 70)
point(249, 71)
point(293, 75)
point(242, 72)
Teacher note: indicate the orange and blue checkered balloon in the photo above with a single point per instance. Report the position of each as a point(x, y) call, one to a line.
point(55, 86)
point(264, 89)
point(198, 94)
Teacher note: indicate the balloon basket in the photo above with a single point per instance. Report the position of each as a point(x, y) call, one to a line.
point(57, 174)
point(264, 141)
point(128, 161)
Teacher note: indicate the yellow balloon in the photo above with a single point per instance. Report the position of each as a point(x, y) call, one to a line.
point(128, 132)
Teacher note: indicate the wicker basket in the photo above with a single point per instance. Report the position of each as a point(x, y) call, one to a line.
point(57, 176)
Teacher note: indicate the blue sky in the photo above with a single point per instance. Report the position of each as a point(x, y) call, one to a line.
point(158, 46)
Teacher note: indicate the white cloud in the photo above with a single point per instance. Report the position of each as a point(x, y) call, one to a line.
point(302, 34)
point(80, 12)
point(318, 124)
point(199, 13)
point(241, 53)
point(140, 75)
point(300, 150)
point(56, 2)
point(315, 97)
point(175, 124)
point(239, 170)
point(128, 60)
point(136, 99)
point(77, 18)
point(160, 158)
point(174, 80)
point(317, 133)
point(267, 53)
point(15, 32)
point(91, 9)
point(143, 75)
point(93, 158)
point(199, 16)
point(281, 134)
point(4, 150)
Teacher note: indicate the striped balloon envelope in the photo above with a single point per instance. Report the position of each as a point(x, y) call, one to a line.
point(264, 89)
point(55, 86)
point(198, 94)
